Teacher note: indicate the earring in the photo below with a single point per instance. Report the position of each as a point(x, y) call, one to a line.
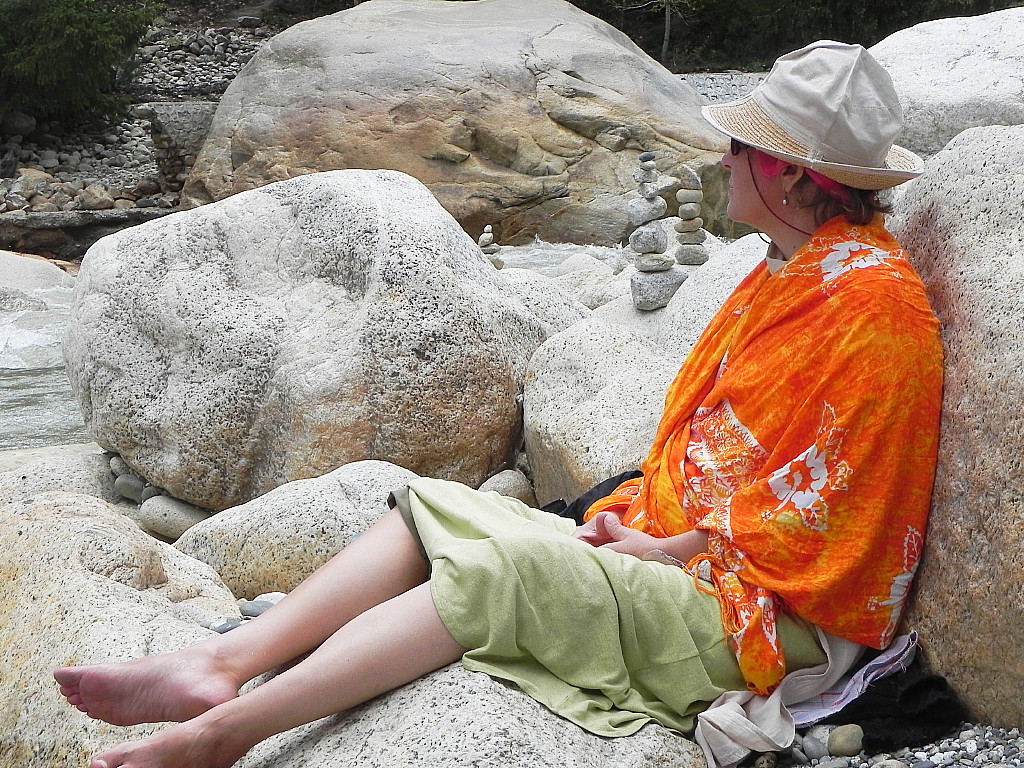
point(785, 199)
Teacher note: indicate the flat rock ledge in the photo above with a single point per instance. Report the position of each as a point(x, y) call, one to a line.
point(67, 234)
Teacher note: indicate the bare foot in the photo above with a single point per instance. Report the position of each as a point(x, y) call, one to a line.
point(190, 745)
point(173, 687)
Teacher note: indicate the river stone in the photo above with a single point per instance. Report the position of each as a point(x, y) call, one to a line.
point(82, 584)
point(960, 223)
point(525, 114)
point(289, 330)
point(697, 300)
point(954, 74)
point(272, 543)
point(590, 281)
point(85, 472)
point(167, 517)
point(654, 290)
point(30, 273)
point(846, 740)
point(453, 717)
point(513, 483)
point(593, 398)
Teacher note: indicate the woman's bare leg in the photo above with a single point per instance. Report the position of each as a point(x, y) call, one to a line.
point(387, 646)
point(380, 564)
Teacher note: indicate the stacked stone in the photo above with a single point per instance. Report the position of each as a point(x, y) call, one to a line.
point(689, 225)
point(179, 129)
point(489, 247)
point(657, 275)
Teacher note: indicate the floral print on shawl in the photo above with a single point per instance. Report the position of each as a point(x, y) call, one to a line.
point(809, 458)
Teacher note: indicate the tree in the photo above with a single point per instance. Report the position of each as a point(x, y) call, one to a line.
point(667, 8)
point(59, 58)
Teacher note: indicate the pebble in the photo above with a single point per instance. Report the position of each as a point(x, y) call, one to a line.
point(130, 486)
point(222, 625)
point(846, 740)
point(814, 749)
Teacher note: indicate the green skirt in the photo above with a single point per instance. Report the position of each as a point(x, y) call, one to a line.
point(603, 639)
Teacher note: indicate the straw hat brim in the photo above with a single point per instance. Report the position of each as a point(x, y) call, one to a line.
point(745, 121)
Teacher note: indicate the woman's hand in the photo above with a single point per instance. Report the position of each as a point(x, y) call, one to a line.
point(606, 530)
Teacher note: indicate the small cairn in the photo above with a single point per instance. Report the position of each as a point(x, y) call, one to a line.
point(689, 225)
point(658, 274)
point(489, 247)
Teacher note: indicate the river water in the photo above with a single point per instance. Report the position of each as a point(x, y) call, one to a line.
point(36, 405)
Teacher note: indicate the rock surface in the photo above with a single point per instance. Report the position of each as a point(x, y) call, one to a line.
point(593, 398)
point(82, 584)
point(458, 718)
point(954, 74)
point(282, 333)
point(960, 224)
point(524, 114)
point(86, 472)
point(272, 543)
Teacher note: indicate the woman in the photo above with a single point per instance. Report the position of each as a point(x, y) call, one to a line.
point(790, 475)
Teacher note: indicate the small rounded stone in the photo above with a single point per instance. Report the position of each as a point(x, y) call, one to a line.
point(814, 749)
point(689, 210)
point(689, 196)
point(689, 225)
point(692, 238)
point(766, 760)
point(846, 740)
point(130, 486)
point(646, 157)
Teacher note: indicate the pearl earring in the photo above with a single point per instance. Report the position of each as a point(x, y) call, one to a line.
point(785, 199)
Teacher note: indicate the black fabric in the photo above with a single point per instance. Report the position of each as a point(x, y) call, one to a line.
point(911, 707)
point(576, 509)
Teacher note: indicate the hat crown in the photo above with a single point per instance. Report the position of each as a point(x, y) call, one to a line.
point(836, 100)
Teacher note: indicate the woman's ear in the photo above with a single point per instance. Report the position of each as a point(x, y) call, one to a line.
point(790, 176)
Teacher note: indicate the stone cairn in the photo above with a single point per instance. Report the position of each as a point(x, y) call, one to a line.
point(489, 247)
point(659, 263)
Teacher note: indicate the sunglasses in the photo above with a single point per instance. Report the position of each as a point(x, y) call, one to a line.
point(736, 146)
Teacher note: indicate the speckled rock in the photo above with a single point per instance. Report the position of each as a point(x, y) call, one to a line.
point(289, 330)
point(524, 114)
point(82, 584)
point(960, 223)
point(954, 74)
point(86, 472)
point(591, 281)
point(696, 301)
point(272, 543)
point(511, 482)
point(593, 397)
point(458, 718)
point(548, 300)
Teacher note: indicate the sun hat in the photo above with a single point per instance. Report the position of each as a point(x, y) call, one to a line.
point(830, 107)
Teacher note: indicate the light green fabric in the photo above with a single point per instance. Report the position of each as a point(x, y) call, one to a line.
point(605, 640)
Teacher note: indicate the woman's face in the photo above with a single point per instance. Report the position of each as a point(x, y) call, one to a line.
point(745, 202)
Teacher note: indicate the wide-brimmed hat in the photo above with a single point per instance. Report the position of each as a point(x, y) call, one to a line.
point(830, 107)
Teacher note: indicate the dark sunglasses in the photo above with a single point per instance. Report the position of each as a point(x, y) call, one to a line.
point(736, 146)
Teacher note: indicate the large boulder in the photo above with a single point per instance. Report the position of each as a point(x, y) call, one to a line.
point(274, 542)
point(954, 74)
point(594, 396)
point(82, 584)
point(960, 222)
point(458, 718)
point(525, 114)
point(289, 330)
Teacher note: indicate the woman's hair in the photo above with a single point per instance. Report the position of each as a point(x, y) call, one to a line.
point(828, 197)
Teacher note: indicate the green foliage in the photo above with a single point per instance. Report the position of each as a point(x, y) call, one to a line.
point(59, 58)
point(751, 34)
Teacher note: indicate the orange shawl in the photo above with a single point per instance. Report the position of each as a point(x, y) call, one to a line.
point(801, 434)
